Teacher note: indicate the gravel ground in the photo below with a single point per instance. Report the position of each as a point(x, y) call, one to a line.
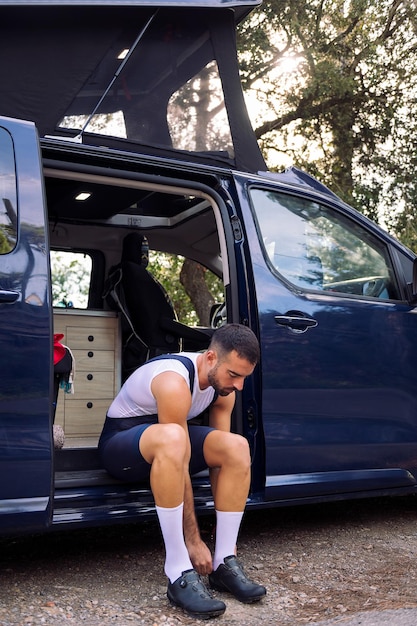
point(319, 563)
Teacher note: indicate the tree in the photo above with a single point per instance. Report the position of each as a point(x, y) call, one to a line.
point(71, 272)
point(335, 85)
point(192, 288)
point(193, 279)
point(5, 241)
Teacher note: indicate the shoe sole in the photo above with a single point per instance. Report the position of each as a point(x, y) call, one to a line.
point(197, 614)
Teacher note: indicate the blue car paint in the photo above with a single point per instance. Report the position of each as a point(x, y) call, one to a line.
point(25, 364)
point(333, 398)
point(329, 413)
point(325, 413)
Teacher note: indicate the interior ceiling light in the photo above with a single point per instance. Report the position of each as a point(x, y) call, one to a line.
point(84, 195)
point(123, 54)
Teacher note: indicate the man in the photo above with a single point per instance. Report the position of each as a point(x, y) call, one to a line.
point(146, 434)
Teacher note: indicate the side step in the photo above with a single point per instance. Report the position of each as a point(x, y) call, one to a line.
point(89, 496)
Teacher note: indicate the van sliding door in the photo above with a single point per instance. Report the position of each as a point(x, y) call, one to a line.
point(25, 335)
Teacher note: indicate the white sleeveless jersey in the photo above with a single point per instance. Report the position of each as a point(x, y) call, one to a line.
point(135, 397)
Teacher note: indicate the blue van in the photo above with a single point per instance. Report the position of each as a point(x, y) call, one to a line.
point(123, 130)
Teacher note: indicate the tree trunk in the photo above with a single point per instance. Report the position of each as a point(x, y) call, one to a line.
point(342, 122)
point(192, 279)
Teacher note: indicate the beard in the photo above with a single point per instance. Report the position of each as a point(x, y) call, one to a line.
point(214, 382)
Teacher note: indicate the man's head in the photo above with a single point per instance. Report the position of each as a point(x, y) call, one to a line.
point(236, 337)
point(233, 354)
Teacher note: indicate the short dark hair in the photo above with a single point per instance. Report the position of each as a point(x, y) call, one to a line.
point(236, 337)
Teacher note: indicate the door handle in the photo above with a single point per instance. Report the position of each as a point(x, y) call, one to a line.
point(296, 321)
point(8, 296)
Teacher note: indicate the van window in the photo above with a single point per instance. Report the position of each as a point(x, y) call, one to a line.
point(161, 88)
point(315, 247)
point(71, 278)
point(192, 289)
point(8, 194)
point(197, 117)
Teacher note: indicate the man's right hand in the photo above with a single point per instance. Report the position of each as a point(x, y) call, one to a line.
point(200, 556)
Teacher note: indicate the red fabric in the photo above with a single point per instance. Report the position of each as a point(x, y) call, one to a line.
point(59, 349)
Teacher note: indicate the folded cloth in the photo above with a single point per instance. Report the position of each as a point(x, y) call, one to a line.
point(59, 349)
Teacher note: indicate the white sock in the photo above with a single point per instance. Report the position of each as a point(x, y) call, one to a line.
point(177, 559)
point(227, 530)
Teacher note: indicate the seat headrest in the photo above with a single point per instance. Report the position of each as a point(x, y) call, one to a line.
point(135, 249)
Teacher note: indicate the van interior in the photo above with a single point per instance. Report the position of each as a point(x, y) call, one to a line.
point(112, 311)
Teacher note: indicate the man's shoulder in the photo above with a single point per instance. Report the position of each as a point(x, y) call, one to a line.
point(175, 362)
point(187, 359)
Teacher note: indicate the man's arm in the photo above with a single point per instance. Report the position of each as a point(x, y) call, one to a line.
point(219, 418)
point(221, 412)
point(199, 552)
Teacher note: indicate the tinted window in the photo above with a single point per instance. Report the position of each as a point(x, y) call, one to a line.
point(314, 247)
point(8, 195)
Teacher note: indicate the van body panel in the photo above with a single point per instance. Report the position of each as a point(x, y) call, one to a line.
point(325, 418)
point(25, 345)
point(339, 396)
point(330, 412)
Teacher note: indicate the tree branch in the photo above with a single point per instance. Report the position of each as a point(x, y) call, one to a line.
point(304, 110)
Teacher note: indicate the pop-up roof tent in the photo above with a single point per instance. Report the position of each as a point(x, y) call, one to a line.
point(150, 77)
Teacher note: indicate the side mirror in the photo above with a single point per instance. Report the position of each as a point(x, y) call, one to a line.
point(218, 315)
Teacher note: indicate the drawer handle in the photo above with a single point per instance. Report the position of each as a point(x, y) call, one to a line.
point(90, 354)
point(90, 337)
point(90, 377)
point(89, 405)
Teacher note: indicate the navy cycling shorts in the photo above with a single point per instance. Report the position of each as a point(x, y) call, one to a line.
point(119, 447)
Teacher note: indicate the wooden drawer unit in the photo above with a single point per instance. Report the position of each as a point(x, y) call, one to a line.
point(93, 338)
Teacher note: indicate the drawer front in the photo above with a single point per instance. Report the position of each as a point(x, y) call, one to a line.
point(91, 384)
point(80, 338)
point(93, 360)
point(60, 327)
point(94, 343)
point(85, 418)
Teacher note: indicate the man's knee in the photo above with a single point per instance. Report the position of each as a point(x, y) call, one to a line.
point(172, 438)
point(233, 449)
point(240, 448)
point(164, 442)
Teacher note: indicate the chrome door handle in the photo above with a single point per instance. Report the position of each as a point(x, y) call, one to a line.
point(295, 320)
point(8, 296)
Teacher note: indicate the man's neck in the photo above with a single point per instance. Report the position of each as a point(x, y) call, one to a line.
point(202, 371)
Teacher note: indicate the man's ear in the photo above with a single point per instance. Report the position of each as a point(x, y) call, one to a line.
point(211, 356)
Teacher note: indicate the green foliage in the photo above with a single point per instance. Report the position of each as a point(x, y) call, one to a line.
point(6, 242)
point(334, 82)
point(70, 278)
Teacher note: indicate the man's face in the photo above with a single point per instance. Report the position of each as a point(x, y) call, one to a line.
point(229, 374)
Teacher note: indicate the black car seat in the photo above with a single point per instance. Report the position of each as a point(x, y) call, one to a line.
point(151, 325)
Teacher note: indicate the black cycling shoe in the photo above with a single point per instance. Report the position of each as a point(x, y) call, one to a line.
point(190, 593)
point(231, 577)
